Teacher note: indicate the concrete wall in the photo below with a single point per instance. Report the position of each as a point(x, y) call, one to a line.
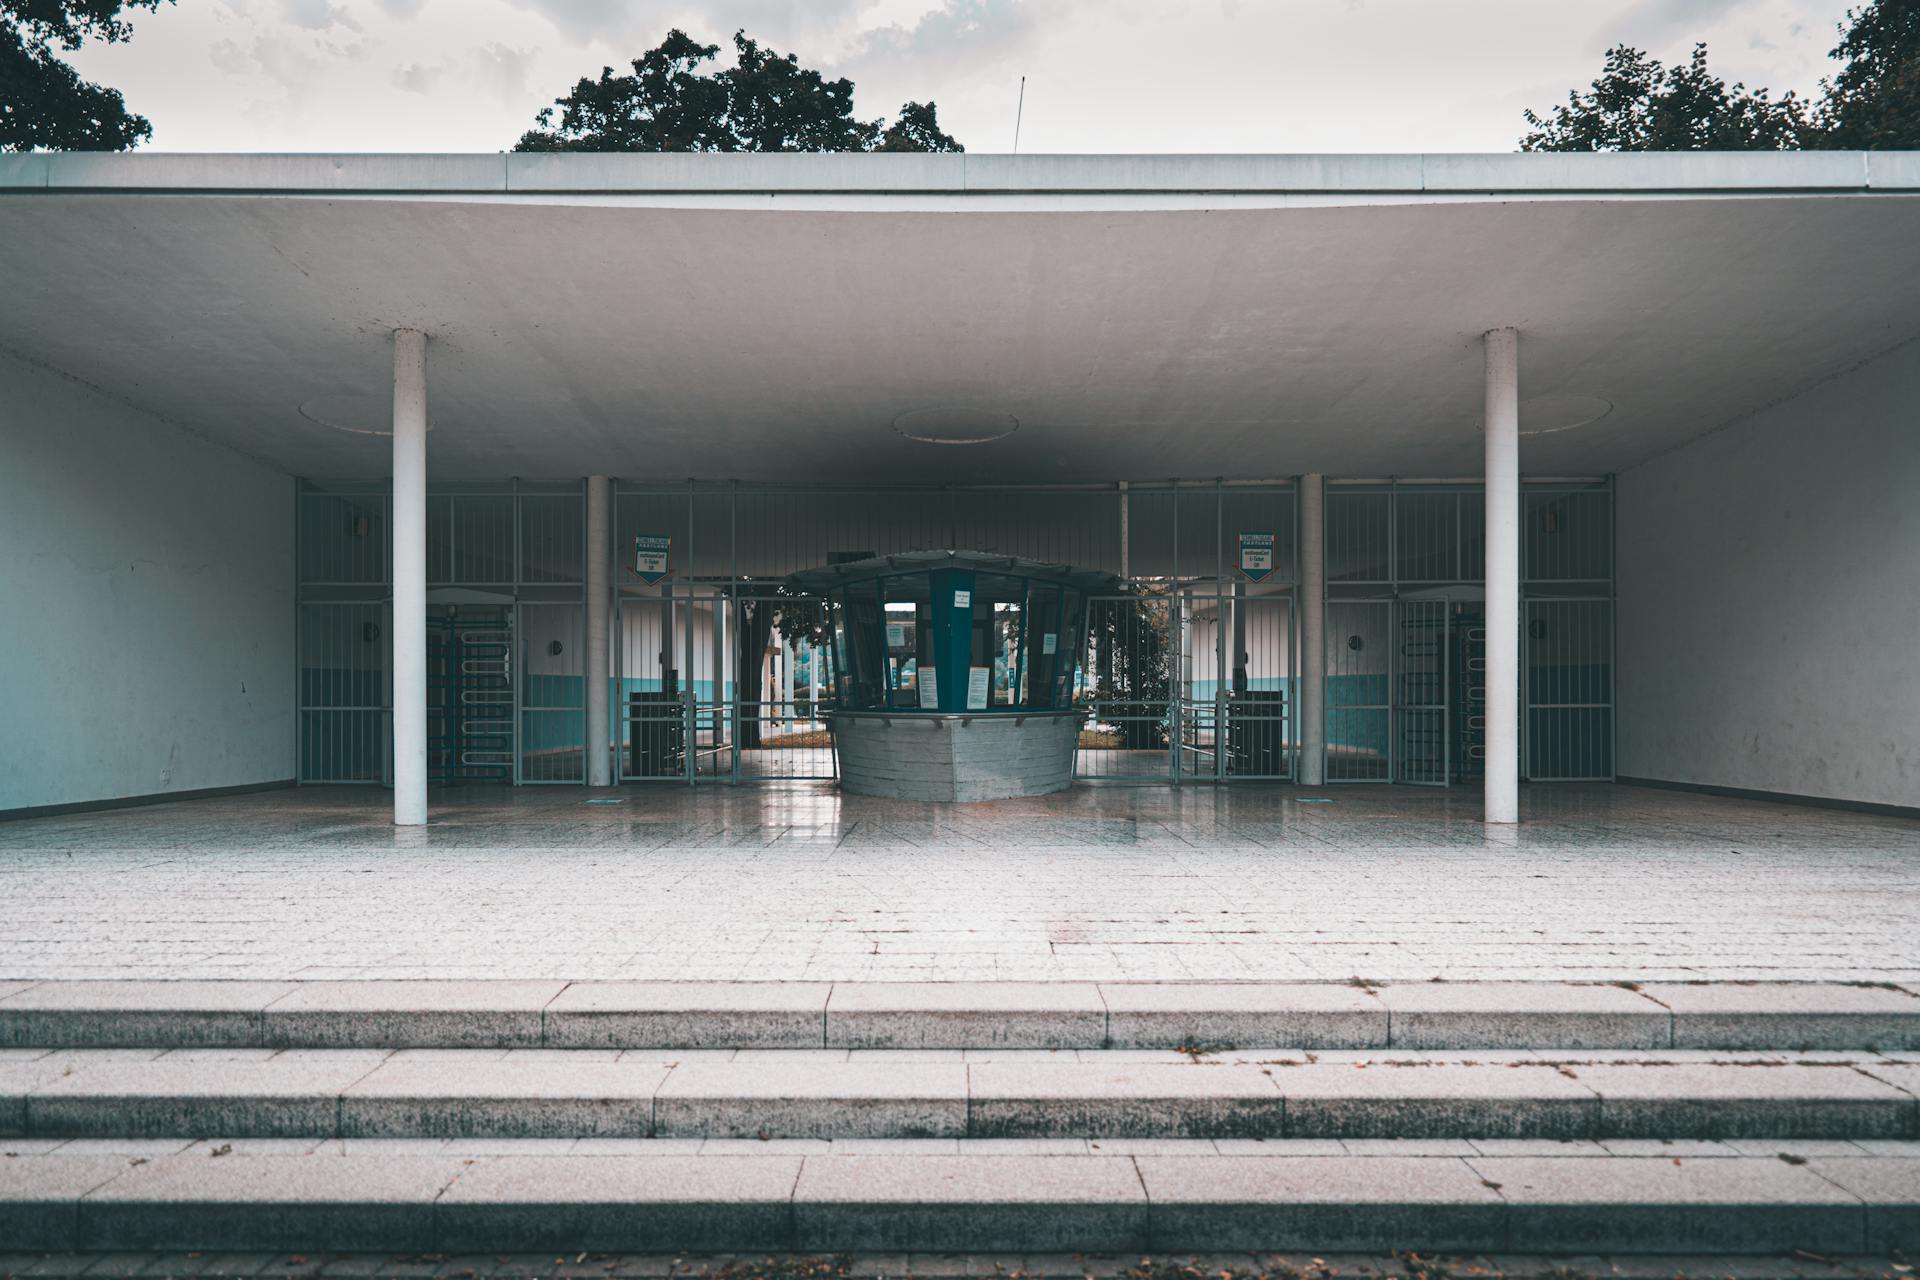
point(1769, 598)
point(146, 603)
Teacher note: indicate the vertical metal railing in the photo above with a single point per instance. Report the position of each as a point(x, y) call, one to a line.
point(1567, 668)
point(1359, 674)
point(1421, 687)
point(525, 543)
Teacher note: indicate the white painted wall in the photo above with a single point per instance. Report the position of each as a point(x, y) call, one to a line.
point(1769, 583)
point(146, 602)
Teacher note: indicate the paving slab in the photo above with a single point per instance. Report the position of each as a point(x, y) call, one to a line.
point(106, 1014)
point(502, 1099)
point(1696, 1100)
point(790, 1099)
point(970, 1204)
point(17, 1080)
point(1122, 1100)
point(40, 1197)
point(591, 1202)
point(1319, 1203)
point(1242, 1015)
point(400, 1014)
point(1890, 1189)
point(675, 1015)
point(1329, 1100)
point(299, 1203)
point(294, 1094)
point(1789, 1015)
point(966, 1015)
point(1522, 1015)
point(1904, 1076)
point(1671, 1206)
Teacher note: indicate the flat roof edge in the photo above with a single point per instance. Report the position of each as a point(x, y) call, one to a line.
point(512, 173)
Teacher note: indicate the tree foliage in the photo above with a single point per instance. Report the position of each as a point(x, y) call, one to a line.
point(766, 101)
point(1873, 102)
point(1638, 104)
point(44, 104)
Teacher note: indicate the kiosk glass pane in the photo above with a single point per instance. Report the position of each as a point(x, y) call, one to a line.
point(866, 648)
point(906, 603)
point(999, 604)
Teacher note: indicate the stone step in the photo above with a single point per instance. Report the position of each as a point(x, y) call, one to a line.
point(544, 1093)
point(895, 1197)
point(934, 1015)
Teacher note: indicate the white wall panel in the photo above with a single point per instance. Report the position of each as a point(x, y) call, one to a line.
point(1769, 590)
point(146, 603)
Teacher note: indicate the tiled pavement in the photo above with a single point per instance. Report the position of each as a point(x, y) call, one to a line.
point(1210, 1266)
point(1108, 883)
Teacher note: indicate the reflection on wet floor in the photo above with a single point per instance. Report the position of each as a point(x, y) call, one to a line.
point(797, 881)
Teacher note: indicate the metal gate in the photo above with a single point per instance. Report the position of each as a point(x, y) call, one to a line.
point(1568, 668)
point(782, 683)
point(1198, 713)
point(553, 683)
point(470, 696)
point(673, 694)
point(1359, 673)
point(346, 692)
point(1194, 684)
point(1128, 688)
point(1421, 687)
point(1263, 687)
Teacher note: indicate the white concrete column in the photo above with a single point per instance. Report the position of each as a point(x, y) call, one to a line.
point(815, 656)
point(787, 654)
point(599, 605)
point(409, 578)
point(1503, 576)
point(1311, 662)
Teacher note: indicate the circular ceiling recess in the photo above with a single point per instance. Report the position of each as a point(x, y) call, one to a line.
point(1544, 415)
point(353, 412)
point(955, 424)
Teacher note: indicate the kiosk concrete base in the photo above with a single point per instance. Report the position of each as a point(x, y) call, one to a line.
point(985, 756)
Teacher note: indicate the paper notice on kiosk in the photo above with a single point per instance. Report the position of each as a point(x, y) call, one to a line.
point(929, 684)
point(978, 679)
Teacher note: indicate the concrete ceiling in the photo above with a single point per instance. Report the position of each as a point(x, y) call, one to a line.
point(666, 336)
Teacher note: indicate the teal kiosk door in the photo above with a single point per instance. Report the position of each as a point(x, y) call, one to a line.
point(952, 635)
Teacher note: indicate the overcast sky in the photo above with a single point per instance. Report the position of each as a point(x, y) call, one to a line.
point(1102, 75)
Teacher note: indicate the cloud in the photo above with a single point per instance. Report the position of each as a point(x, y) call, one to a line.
point(642, 24)
point(494, 70)
point(318, 15)
point(405, 10)
point(959, 35)
point(583, 21)
point(1654, 24)
point(415, 78)
point(502, 72)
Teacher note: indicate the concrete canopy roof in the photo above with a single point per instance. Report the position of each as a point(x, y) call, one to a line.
point(1138, 317)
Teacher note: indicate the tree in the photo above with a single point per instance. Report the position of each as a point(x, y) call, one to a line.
point(766, 101)
point(1132, 645)
point(1638, 104)
point(43, 102)
point(1874, 101)
point(767, 611)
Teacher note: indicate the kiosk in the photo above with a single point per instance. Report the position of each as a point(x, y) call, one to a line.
point(956, 672)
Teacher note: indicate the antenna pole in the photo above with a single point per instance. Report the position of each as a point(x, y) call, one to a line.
point(1018, 111)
